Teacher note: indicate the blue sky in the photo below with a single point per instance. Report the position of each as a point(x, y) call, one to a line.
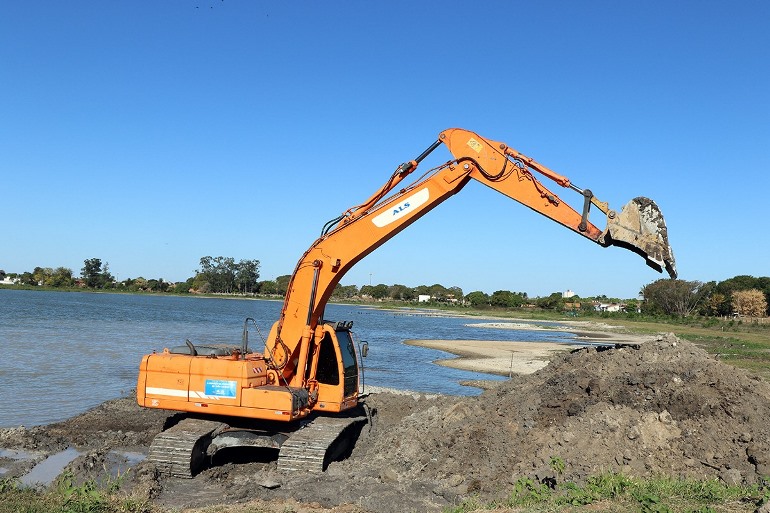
point(150, 134)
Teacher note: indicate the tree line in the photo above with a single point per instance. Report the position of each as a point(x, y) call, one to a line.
point(741, 295)
point(223, 275)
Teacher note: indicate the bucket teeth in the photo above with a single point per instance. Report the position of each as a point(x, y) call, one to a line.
point(641, 228)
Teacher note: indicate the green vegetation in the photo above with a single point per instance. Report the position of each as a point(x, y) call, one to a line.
point(616, 492)
point(604, 492)
point(224, 276)
point(67, 496)
point(742, 295)
point(96, 276)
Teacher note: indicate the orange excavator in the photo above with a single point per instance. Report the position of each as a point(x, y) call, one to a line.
point(300, 395)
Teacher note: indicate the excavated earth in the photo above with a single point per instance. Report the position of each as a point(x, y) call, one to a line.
point(662, 408)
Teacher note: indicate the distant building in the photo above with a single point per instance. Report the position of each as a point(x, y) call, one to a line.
point(568, 294)
point(423, 298)
point(608, 307)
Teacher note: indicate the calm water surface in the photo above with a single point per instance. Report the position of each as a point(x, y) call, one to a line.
point(66, 352)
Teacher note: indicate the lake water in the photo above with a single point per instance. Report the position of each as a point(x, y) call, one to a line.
point(66, 352)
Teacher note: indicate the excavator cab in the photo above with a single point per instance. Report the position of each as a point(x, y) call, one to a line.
point(336, 368)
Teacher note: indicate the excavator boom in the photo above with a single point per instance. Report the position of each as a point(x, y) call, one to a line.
point(639, 227)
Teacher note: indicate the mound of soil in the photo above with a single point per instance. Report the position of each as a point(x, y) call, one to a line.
point(664, 407)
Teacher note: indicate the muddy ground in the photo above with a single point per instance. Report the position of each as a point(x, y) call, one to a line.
point(665, 407)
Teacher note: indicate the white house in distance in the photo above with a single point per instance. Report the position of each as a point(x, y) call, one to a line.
point(608, 307)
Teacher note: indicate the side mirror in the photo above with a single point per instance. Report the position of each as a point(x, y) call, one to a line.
point(364, 349)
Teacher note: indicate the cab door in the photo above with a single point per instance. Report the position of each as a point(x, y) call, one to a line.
point(337, 371)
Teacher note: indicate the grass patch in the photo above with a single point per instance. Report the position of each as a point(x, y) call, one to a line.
point(617, 492)
point(67, 496)
point(743, 345)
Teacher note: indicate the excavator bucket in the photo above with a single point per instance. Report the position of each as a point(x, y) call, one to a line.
point(641, 228)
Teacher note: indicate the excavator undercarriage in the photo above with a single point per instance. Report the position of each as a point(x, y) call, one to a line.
point(191, 443)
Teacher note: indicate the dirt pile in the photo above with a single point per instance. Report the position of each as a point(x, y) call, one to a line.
point(664, 407)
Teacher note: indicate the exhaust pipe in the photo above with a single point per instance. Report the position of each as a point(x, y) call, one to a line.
point(640, 227)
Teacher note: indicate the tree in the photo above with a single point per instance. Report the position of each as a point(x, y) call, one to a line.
point(506, 299)
point(422, 290)
point(716, 304)
point(61, 277)
point(183, 287)
point(477, 298)
point(632, 305)
point(247, 274)
point(379, 291)
point(42, 275)
point(673, 297)
point(282, 284)
point(224, 275)
point(751, 303)
point(91, 272)
point(438, 292)
point(455, 292)
point(27, 278)
point(555, 301)
point(345, 291)
point(200, 284)
point(267, 287)
point(95, 275)
point(401, 292)
point(349, 291)
point(742, 282)
point(158, 285)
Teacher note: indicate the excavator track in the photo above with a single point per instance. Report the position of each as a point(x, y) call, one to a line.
point(311, 447)
point(180, 450)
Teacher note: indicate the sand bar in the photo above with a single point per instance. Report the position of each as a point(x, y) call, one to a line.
point(511, 357)
point(586, 332)
point(493, 356)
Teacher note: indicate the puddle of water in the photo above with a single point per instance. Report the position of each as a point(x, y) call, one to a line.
point(3, 471)
point(13, 454)
point(119, 462)
point(47, 470)
point(132, 458)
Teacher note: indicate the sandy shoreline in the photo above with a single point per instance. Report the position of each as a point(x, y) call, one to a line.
point(504, 358)
point(493, 356)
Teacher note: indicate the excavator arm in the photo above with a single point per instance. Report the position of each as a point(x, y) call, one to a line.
point(361, 229)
